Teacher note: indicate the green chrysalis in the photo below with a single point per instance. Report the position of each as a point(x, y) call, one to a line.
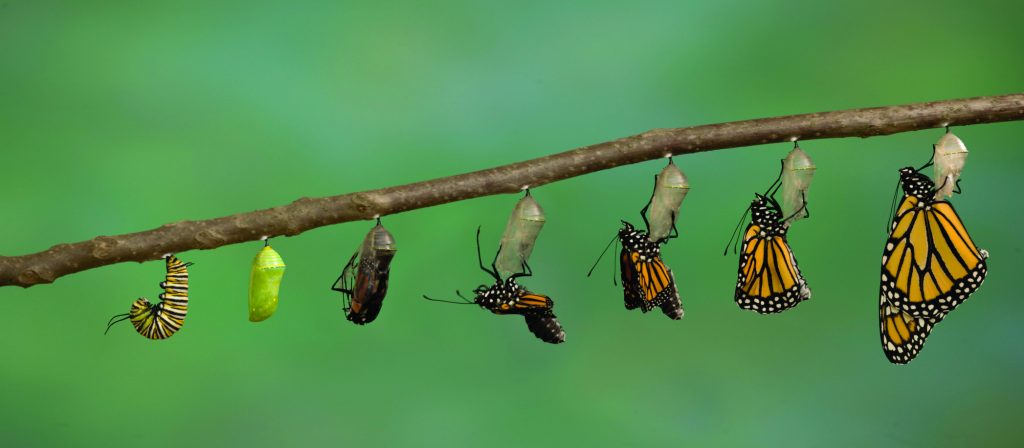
point(797, 173)
point(264, 283)
point(670, 188)
point(521, 232)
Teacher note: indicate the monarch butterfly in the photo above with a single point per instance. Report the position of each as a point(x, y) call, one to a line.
point(509, 297)
point(162, 320)
point(769, 279)
point(364, 280)
point(646, 281)
point(930, 266)
point(265, 283)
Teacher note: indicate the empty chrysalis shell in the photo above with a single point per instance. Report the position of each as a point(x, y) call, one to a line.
point(950, 157)
point(797, 173)
point(264, 284)
point(670, 188)
point(520, 235)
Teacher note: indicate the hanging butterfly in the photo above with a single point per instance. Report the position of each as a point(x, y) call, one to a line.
point(509, 297)
point(364, 280)
point(163, 319)
point(647, 282)
point(930, 266)
point(769, 279)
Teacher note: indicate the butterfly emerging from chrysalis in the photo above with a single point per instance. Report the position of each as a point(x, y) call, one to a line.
point(930, 266)
point(769, 279)
point(509, 297)
point(364, 280)
point(647, 283)
point(163, 319)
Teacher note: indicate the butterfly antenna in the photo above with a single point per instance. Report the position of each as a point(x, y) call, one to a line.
point(892, 207)
point(463, 302)
point(614, 282)
point(735, 233)
point(111, 322)
point(599, 257)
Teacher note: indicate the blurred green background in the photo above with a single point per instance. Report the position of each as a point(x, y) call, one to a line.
point(117, 117)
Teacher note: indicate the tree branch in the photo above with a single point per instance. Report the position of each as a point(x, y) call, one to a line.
point(309, 213)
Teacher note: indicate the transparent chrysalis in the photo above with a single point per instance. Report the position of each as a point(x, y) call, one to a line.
point(949, 159)
point(364, 280)
point(265, 283)
point(797, 173)
point(520, 235)
point(670, 188)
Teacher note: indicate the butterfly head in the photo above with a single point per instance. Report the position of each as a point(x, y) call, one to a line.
point(916, 184)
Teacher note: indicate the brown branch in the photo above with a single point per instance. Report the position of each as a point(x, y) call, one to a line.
point(309, 213)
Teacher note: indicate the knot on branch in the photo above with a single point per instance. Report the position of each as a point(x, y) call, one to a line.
point(31, 277)
point(210, 238)
point(103, 247)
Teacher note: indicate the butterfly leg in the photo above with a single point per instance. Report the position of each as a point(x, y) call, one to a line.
point(480, 258)
point(643, 211)
point(527, 271)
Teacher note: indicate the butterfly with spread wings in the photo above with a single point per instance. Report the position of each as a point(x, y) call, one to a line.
point(769, 279)
point(930, 266)
point(509, 297)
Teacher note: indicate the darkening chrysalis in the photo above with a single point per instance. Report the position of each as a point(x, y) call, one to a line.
point(797, 173)
point(520, 235)
point(364, 280)
point(670, 188)
point(265, 283)
point(949, 159)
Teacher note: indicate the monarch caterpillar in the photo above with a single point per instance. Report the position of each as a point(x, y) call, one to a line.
point(949, 156)
point(163, 319)
point(509, 297)
point(930, 266)
point(797, 173)
point(769, 279)
point(364, 280)
point(520, 235)
point(670, 188)
point(265, 283)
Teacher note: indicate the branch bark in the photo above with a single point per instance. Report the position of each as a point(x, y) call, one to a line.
point(308, 213)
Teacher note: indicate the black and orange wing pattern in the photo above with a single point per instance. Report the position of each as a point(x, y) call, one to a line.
point(769, 279)
point(930, 265)
point(903, 335)
point(646, 282)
